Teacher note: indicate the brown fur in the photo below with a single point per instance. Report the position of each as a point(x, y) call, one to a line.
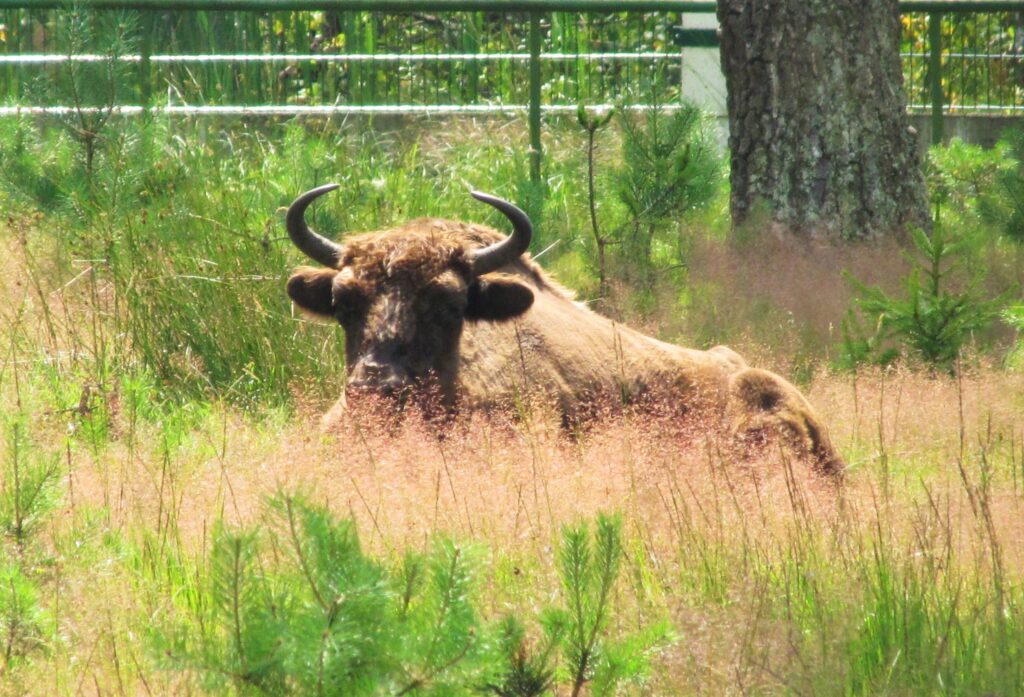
point(404, 297)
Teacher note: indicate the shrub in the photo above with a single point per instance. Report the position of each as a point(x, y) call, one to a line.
point(960, 174)
point(28, 485)
point(980, 186)
point(22, 617)
point(91, 89)
point(1011, 180)
point(326, 619)
point(1014, 316)
point(930, 322)
point(29, 492)
point(669, 166)
point(299, 608)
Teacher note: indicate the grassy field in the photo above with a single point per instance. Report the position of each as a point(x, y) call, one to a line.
point(173, 518)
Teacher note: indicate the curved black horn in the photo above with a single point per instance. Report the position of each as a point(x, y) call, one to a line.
point(315, 246)
point(512, 247)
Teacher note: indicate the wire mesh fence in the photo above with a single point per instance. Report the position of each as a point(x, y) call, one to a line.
point(367, 60)
point(979, 57)
point(394, 61)
point(291, 57)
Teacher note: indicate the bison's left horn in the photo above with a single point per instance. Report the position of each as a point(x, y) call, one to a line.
point(316, 247)
point(509, 249)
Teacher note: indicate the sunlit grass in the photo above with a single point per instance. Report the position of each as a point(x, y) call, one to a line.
point(906, 578)
point(158, 392)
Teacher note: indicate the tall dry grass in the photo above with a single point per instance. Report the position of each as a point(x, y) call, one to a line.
point(782, 292)
point(702, 527)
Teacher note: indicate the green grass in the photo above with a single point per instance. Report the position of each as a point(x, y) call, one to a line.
point(183, 222)
point(172, 521)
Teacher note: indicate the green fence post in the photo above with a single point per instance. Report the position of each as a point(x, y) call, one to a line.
point(370, 47)
point(935, 73)
point(471, 44)
point(145, 65)
point(535, 146)
point(355, 68)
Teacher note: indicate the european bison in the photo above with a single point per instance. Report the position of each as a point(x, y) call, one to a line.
point(461, 311)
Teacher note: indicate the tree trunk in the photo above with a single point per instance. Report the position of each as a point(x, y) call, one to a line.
point(818, 131)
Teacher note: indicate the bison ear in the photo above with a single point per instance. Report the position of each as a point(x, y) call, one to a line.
point(310, 289)
point(496, 297)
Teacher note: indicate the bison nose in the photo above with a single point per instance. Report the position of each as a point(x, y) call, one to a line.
point(377, 376)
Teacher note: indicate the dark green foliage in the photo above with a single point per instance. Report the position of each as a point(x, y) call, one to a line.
point(670, 166)
point(297, 607)
point(1014, 316)
point(961, 175)
point(577, 644)
point(29, 492)
point(586, 583)
point(29, 482)
point(588, 572)
point(93, 89)
point(527, 674)
point(305, 611)
point(931, 322)
point(35, 174)
point(1011, 180)
point(22, 616)
point(976, 186)
point(337, 624)
point(858, 346)
point(245, 610)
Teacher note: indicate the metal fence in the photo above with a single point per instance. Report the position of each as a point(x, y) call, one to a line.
point(477, 56)
point(963, 57)
point(980, 57)
point(379, 61)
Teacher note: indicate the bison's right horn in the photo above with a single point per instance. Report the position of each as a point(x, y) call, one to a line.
point(313, 245)
point(509, 249)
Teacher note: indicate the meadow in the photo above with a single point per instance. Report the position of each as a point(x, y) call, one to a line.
point(174, 521)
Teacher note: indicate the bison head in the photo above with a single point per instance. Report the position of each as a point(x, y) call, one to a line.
point(403, 295)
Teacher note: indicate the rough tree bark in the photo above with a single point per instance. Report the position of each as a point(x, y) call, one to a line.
point(818, 130)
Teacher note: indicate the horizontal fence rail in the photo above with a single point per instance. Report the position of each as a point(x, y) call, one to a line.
point(314, 110)
point(28, 59)
point(467, 5)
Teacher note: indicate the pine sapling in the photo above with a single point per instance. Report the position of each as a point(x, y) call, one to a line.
point(22, 618)
point(592, 124)
point(588, 575)
point(528, 671)
point(930, 320)
point(446, 623)
point(669, 166)
point(29, 486)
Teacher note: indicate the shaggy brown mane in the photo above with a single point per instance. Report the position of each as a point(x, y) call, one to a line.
point(424, 248)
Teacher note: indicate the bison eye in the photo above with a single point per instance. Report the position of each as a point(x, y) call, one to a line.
point(349, 304)
point(449, 315)
point(444, 308)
